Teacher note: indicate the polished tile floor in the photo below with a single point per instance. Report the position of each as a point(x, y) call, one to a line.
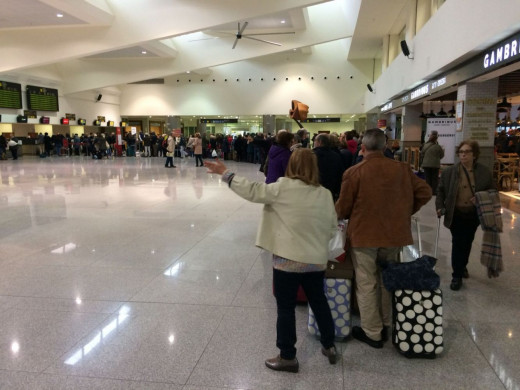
point(121, 274)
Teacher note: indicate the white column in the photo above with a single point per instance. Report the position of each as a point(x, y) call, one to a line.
point(478, 119)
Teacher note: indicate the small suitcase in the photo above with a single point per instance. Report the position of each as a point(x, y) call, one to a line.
point(338, 292)
point(417, 323)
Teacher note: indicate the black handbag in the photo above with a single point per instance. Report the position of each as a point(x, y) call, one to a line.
point(414, 275)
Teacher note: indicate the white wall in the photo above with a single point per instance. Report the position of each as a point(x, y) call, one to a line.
point(330, 96)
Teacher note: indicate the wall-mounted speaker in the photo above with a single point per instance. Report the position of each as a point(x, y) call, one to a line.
point(99, 97)
point(404, 48)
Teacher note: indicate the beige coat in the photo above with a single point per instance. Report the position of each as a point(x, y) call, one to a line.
point(171, 144)
point(196, 144)
point(298, 220)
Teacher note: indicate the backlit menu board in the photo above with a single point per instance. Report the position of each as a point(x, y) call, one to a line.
point(42, 99)
point(10, 95)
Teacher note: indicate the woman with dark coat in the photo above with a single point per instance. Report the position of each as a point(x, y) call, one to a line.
point(455, 199)
point(278, 156)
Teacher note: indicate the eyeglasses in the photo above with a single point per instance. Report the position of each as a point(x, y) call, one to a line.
point(466, 151)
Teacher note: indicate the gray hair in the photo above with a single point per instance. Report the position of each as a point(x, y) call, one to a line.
point(324, 140)
point(374, 139)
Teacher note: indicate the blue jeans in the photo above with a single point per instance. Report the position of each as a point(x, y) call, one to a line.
point(285, 289)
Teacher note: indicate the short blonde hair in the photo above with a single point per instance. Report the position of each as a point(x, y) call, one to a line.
point(303, 165)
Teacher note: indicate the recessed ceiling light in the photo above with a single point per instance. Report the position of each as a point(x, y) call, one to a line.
point(187, 71)
point(143, 52)
point(283, 21)
point(59, 15)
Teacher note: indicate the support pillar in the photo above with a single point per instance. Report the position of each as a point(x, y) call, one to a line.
point(411, 126)
point(372, 121)
point(478, 117)
point(269, 124)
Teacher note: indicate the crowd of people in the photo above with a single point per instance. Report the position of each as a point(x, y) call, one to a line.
point(508, 142)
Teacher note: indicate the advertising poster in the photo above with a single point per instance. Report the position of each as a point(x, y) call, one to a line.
point(446, 127)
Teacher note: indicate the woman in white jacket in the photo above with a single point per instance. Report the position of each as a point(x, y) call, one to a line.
point(298, 221)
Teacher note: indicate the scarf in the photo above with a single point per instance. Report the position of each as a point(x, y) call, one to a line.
point(488, 209)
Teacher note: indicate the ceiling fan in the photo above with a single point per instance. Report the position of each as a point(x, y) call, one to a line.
point(240, 34)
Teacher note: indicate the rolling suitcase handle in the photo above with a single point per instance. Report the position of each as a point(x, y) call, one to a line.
point(416, 221)
point(437, 237)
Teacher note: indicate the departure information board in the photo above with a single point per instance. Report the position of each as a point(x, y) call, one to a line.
point(42, 99)
point(10, 95)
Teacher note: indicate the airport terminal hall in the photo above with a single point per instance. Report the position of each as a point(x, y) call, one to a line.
point(260, 195)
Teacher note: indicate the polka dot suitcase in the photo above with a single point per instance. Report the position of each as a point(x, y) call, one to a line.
point(338, 293)
point(417, 323)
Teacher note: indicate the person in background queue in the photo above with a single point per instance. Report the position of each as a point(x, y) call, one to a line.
point(170, 149)
point(431, 156)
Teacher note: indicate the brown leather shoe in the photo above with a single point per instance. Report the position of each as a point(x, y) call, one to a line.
point(331, 353)
point(279, 364)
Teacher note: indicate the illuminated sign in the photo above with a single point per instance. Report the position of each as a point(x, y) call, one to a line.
point(438, 83)
point(387, 106)
point(504, 52)
point(421, 91)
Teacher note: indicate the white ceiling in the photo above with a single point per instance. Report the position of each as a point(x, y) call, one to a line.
point(89, 48)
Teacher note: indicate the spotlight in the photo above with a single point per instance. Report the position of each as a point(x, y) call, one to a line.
point(249, 79)
point(274, 78)
point(213, 80)
point(287, 79)
point(337, 77)
point(201, 80)
point(262, 79)
point(225, 80)
point(325, 78)
point(299, 78)
point(189, 81)
point(312, 77)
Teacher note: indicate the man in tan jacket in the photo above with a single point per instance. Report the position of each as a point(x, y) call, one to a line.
point(378, 196)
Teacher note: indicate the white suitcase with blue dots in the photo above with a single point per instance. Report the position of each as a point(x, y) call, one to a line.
point(338, 293)
point(417, 323)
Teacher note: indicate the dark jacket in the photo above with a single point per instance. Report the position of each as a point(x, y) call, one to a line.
point(449, 183)
point(278, 159)
point(347, 157)
point(331, 169)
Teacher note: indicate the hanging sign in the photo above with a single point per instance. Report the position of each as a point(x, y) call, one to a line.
point(445, 127)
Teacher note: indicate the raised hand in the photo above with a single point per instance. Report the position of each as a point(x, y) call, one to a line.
point(215, 166)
